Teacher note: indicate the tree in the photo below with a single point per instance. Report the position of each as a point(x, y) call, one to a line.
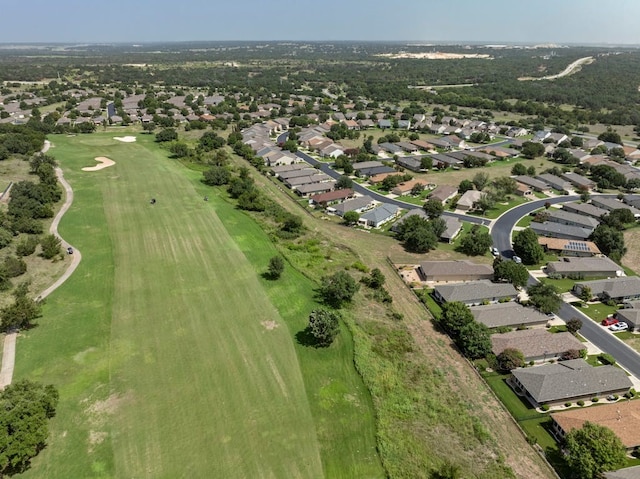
point(168, 134)
point(455, 315)
point(525, 245)
point(22, 312)
point(476, 242)
point(545, 297)
point(344, 182)
point(27, 246)
point(433, 208)
point(338, 288)
point(474, 340)
point(50, 246)
point(464, 186)
point(25, 408)
point(586, 294)
point(419, 234)
point(512, 272)
point(149, 127)
point(480, 180)
point(610, 241)
point(519, 169)
point(426, 163)
point(276, 267)
point(376, 279)
point(417, 189)
point(570, 354)
point(619, 218)
point(324, 325)
point(610, 136)
point(593, 449)
point(574, 325)
point(351, 217)
point(510, 359)
point(532, 150)
point(484, 203)
point(216, 176)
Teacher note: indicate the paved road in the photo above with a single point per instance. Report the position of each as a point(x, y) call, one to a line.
point(325, 168)
point(9, 349)
point(593, 332)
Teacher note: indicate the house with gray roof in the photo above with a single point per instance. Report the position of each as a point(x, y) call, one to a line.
point(375, 170)
point(626, 473)
point(358, 205)
point(554, 181)
point(298, 181)
point(378, 216)
point(556, 230)
point(296, 172)
point(510, 315)
point(536, 185)
point(441, 160)
point(572, 219)
point(579, 181)
point(315, 188)
point(569, 381)
point(535, 344)
point(282, 168)
point(625, 288)
point(408, 147)
point(475, 292)
point(629, 316)
point(390, 148)
point(586, 267)
point(468, 200)
point(585, 209)
point(632, 200)
point(611, 204)
point(413, 163)
point(453, 271)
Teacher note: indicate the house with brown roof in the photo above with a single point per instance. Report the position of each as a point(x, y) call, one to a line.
point(331, 197)
point(423, 145)
point(453, 271)
point(535, 344)
point(569, 381)
point(468, 199)
point(443, 193)
point(565, 247)
point(405, 187)
point(622, 417)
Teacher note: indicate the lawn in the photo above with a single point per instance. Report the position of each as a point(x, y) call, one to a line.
point(173, 357)
point(596, 311)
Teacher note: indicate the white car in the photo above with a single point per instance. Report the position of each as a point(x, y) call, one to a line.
point(517, 259)
point(621, 326)
point(494, 251)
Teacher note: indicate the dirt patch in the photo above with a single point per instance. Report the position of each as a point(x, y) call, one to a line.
point(109, 405)
point(125, 139)
point(95, 438)
point(632, 258)
point(269, 325)
point(103, 161)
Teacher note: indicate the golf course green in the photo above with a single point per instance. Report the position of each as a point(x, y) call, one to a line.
point(173, 355)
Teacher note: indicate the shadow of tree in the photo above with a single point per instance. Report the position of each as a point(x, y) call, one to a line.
point(306, 338)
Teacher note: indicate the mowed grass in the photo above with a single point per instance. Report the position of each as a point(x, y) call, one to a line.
point(173, 357)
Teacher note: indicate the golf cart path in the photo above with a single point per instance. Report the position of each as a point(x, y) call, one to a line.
point(9, 350)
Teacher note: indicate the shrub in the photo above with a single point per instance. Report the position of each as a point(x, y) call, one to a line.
point(14, 266)
point(360, 267)
point(581, 403)
point(567, 404)
point(594, 399)
point(531, 363)
point(27, 246)
point(606, 358)
point(50, 246)
point(545, 407)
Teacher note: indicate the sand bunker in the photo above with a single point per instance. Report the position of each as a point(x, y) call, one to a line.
point(125, 139)
point(104, 163)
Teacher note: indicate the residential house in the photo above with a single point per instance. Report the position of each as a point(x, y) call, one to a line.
point(461, 155)
point(564, 217)
point(444, 161)
point(623, 418)
point(499, 151)
point(468, 199)
point(578, 181)
point(611, 204)
point(408, 147)
point(585, 209)
point(523, 190)
point(515, 131)
point(309, 189)
point(361, 165)
point(508, 315)
point(440, 143)
point(534, 184)
point(378, 216)
point(556, 230)
point(390, 148)
point(626, 288)
point(443, 193)
point(565, 247)
point(358, 205)
point(626, 473)
point(276, 170)
point(629, 316)
point(422, 145)
point(331, 197)
point(475, 292)
point(373, 171)
point(535, 344)
point(295, 172)
point(298, 181)
point(599, 266)
point(406, 187)
point(365, 124)
point(332, 151)
point(384, 124)
point(453, 271)
point(413, 163)
point(555, 182)
point(569, 381)
point(632, 200)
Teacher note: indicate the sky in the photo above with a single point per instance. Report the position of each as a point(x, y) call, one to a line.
point(490, 21)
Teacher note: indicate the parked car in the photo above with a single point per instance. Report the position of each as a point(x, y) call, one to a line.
point(517, 259)
point(70, 250)
point(610, 321)
point(619, 327)
point(494, 251)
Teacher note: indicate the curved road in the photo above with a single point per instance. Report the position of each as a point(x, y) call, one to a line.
point(599, 336)
point(9, 348)
point(325, 168)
